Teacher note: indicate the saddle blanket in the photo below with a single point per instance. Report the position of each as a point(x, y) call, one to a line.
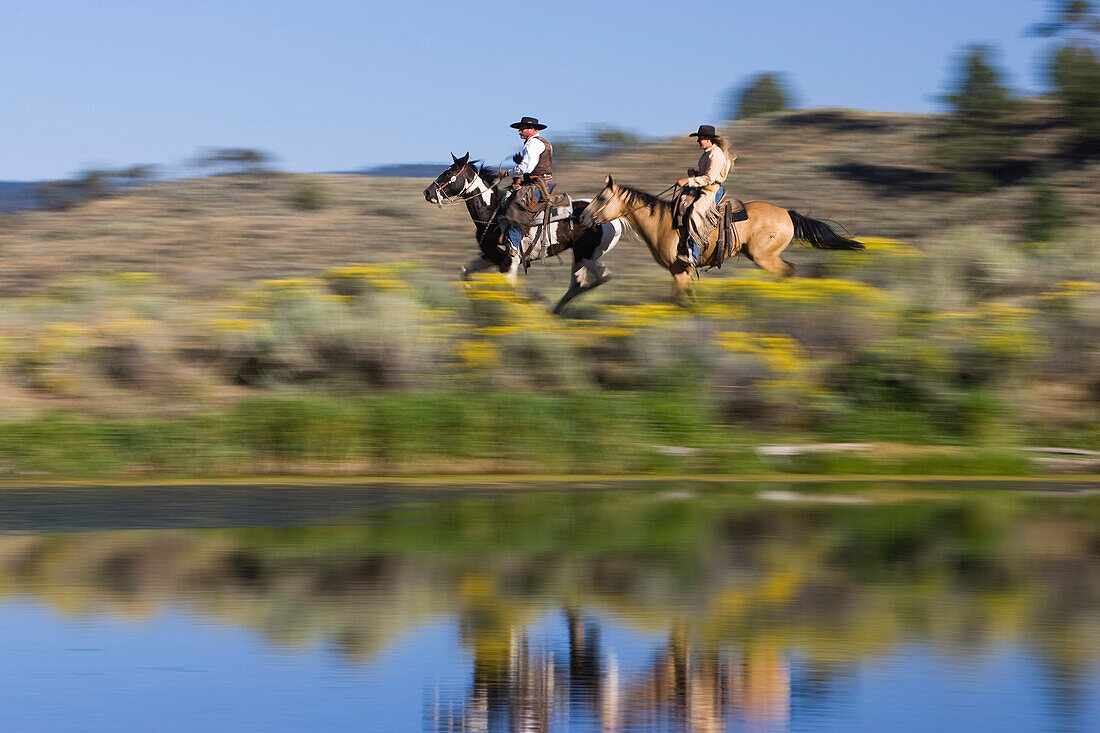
point(533, 242)
point(561, 208)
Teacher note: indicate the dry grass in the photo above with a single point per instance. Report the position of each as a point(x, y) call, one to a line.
point(866, 171)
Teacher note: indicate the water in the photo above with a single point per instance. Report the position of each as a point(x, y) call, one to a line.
point(661, 607)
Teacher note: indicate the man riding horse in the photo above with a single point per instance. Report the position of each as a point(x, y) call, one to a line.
point(700, 191)
point(532, 183)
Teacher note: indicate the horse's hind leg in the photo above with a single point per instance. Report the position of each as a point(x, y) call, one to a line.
point(765, 252)
point(574, 290)
point(776, 264)
point(587, 274)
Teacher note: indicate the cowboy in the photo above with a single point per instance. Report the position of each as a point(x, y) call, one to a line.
point(531, 172)
point(702, 185)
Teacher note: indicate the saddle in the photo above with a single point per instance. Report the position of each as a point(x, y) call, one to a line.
point(725, 217)
point(534, 207)
point(534, 201)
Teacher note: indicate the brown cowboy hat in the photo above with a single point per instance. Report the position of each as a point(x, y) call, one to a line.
point(528, 122)
point(705, 131)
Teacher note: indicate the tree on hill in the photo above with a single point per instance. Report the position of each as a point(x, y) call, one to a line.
point(979, 140)
point(595, 141)
point(235, 160)
point(91, 184)
point(1075, 71)
point(1075, 67)
point(767, 92)
point(1075, 18)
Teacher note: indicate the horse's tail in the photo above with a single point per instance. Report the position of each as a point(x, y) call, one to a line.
point(820, 234)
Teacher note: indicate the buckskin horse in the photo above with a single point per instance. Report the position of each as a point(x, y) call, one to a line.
point(464, 182)
point(767, 231)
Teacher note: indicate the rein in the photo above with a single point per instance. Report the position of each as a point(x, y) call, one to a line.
point(446, 199)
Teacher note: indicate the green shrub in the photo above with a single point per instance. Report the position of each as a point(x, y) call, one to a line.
point(1048, 215)
point(308, 195)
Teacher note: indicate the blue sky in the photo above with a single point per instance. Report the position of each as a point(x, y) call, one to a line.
point(341, 84)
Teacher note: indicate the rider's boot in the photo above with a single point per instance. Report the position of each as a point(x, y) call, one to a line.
point(688, 252)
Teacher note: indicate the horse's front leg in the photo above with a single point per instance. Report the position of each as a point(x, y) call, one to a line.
point(511, 267)
point(587, 274)
point(599, 273)
point(683, 285)
point(609, 237)
point(477, 264)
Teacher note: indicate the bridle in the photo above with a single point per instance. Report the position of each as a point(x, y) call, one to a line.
point(443, 198)
point(596, 214)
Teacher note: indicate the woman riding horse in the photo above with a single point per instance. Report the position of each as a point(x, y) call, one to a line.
point(701, 188)
point(765, 233)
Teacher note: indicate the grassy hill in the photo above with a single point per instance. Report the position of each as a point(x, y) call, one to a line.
point(866, 171)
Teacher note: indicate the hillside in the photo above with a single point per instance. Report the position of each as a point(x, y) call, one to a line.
point(865, 171)
point(214, 327)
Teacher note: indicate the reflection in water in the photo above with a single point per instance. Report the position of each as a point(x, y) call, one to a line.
point(678, 688)
point(755, 613)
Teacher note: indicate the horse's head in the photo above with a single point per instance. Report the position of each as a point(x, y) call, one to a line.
point(607, 206)
point(453, 182)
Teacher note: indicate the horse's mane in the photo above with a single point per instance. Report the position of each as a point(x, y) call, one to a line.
point(488, 174)
point(647, 199)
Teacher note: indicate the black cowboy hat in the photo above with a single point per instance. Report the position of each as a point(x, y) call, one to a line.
point(528, 122)
point(705, 131)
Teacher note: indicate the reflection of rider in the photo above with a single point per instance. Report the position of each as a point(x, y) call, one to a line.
point(703, 184)
point(533, 166)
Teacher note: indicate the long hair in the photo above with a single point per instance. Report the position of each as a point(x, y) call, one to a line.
point(722, 143)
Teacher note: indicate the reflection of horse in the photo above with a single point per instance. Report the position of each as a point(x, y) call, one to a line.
point(518, 685)
point(464, 182)
point(766, 233)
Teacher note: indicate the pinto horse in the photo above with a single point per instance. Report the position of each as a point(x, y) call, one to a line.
point(464, 182)
point(766, 233)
